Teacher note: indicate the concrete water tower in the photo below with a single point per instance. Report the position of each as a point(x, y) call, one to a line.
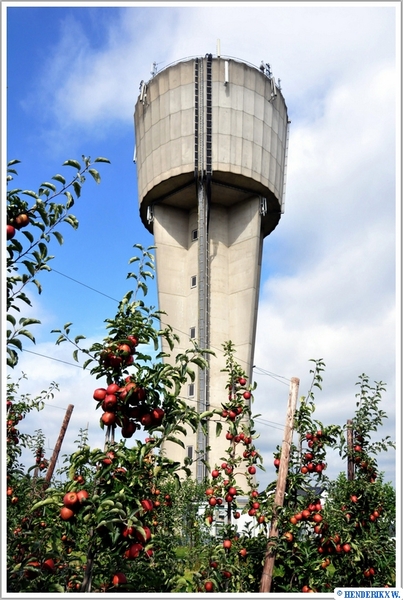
point(211, 153)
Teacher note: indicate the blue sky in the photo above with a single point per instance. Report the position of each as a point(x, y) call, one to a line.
point(328, 286)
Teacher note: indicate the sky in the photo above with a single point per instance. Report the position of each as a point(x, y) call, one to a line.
point(330, 284)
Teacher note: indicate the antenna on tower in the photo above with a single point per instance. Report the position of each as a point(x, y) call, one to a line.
point(218, 48)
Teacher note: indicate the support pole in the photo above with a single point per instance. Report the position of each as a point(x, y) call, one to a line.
point(58, 445)
point(350, 461)
point(267, 574)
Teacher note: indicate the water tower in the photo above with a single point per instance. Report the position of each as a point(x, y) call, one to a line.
point(211, 152)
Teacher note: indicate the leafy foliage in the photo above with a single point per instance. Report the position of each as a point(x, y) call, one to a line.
point(27, 249)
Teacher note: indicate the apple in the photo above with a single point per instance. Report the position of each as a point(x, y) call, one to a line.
point(306, 513)
point(247, 395)
point(119, 578)
point(212, 501)
point(66, 513)
point(227, 544)
point(158, 415)
point(304, 470)
point(143, 538)
point(147, 420)
point(99, 394)
point(134, 551)
point(242, 381)
point(124, 349)
point(232, 491)
point(48, 565)
point(133, 339)
point(147, 504)
point(10, 232)
point(112, 388)
point(22, 220)
point(209, 491)
point(14, 500)
point(237, 515)
point(252, 512)
point(109, 458)
point(209, 586)
point(229, 498)
point(128, 429)
point(317, 518)
point(215, 473)
point(110, 402)
point(346, 547)
point(288, 536)
point(70, 499)
point(252, 470)
point(108, 418)
point(82, 495)
point(276, 462)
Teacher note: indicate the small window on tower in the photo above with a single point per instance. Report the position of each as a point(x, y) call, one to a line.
point(191, 389)
point(190, 451)
point(194, 235)
point(193, 281)
point(192, 333)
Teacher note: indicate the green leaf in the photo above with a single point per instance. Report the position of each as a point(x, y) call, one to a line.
point(58, 236)
point(27, 334)
point(53, 500)
point(59, 178)
point(102, 159)
point(175, 440)
point(70, 200)
point(38, 285)
point(51, 186)
point(30, 193)
point(15, 342)
point(29, 236)
point(28, 321)
point(77, 188)
point(11, 319)
point(95, 175)
point(218, 428)
point(72, 163)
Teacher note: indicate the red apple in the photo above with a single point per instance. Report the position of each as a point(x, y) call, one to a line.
point(134, 551)
point(82, 495)
point(112, 388)
point(70, 499)
point(119, 578)
point(108, 418)
point(10, 232)
point(48, 565)
point(66, 513)
point(252, 470)
point(147, 504)
point(99, 394)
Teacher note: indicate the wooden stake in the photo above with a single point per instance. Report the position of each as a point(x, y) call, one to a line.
point(58, 445)
point(267, 574)
point(350, 460)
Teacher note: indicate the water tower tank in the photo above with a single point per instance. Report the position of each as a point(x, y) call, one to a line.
point(211, 148)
